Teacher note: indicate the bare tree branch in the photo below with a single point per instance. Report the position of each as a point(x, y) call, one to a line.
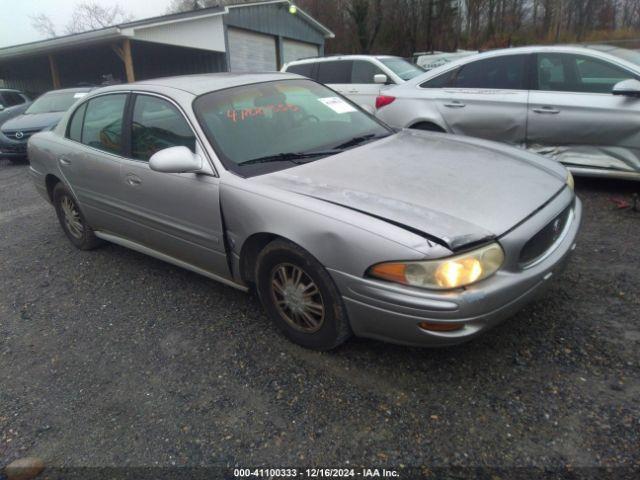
point(43, 25)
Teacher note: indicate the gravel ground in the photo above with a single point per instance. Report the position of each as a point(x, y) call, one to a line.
point(112, 358)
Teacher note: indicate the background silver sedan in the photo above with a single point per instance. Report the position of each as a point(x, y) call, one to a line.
point(342, 225)
point(578, 105)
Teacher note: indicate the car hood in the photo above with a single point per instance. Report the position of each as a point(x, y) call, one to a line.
point(454, 190)
point(36, 121)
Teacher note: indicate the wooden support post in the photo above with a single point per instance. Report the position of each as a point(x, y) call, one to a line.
point(124, 52)
point(54, 72)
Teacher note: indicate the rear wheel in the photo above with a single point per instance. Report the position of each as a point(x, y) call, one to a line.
point(72, 220)
point(300, 297)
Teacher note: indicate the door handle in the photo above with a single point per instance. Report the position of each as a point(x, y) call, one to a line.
point(550, 110)
point(64, 161)
point(455, 104)
point(133, 180)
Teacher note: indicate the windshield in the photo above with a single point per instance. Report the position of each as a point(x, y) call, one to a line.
point(54, 102)
point(405, 70)
point(273, 125)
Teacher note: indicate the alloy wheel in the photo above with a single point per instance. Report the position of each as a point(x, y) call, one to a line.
point(297, 298)
point(72, 218)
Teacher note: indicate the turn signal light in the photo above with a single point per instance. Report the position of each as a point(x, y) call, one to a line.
point(440, 327)
point(383, 100)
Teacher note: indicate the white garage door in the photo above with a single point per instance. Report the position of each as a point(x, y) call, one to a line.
point(251, 52)
point(292, 50)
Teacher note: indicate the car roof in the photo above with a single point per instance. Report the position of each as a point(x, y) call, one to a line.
point(578, 49)
point(209, 82)
point(70, 90)
point(340, 57)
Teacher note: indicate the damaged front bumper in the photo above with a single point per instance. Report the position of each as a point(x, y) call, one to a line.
point(393, 312)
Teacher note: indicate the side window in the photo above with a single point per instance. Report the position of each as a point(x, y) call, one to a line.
point(564, 72)
point(363, 71)
point(551, 72)
point(501, 73)
point(157, 125)
point(441, 81)
point(336, 71)
point(11, 99)
point(304, 69)
point(102, 128)
point(75, 126)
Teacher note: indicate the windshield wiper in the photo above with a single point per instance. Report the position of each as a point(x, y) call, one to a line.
point(293, 157)
point(355, 141)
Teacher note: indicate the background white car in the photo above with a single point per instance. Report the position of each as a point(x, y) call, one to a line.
point(358, 77)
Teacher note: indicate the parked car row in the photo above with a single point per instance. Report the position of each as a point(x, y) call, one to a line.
point(579, 105)
point(20, 118)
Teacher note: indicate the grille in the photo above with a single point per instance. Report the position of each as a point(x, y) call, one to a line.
point(19, 135)
point(542, 241)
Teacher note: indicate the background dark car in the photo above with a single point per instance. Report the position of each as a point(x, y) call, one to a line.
point(44, 113)
point(12, 103)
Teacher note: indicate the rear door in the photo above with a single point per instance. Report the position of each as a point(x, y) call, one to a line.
point(487, 98)
point(177, 214)
point(574, 117)
point(91, 167)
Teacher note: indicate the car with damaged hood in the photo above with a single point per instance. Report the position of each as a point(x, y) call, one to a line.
point(579, 105)
point(342, 226)
point(44, 113)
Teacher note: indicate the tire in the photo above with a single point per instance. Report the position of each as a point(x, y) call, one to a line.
point(278, 291)
point(76, 229)
point(427, 126)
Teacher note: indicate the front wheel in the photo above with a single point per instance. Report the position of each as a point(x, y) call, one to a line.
point(72, 220)
point(300, 297)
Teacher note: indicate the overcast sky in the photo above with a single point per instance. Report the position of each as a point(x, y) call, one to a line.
point(15, 25)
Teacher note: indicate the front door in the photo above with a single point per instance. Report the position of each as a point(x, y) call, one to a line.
point(177, 214)
point(574, 117)
point(487, 99)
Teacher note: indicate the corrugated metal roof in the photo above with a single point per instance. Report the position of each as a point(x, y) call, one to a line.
point(128, 30)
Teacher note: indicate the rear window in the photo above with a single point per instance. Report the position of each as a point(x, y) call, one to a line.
point(503, 73)
point(335, 71)
point(304, 69)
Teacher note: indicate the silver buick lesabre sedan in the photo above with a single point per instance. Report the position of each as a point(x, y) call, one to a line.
point(342, 225)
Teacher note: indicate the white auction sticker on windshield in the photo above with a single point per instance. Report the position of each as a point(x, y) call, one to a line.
point(337, 104)
point(79, 94)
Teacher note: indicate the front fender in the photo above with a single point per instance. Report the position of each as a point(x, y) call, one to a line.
point(339, 238)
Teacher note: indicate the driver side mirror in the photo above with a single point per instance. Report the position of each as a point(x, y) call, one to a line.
point(628, 88)
point(380, 78)
point(1, 107)
point(176, 160)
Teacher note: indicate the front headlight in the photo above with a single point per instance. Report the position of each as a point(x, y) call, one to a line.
point(444, 273)
point(570, 181)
